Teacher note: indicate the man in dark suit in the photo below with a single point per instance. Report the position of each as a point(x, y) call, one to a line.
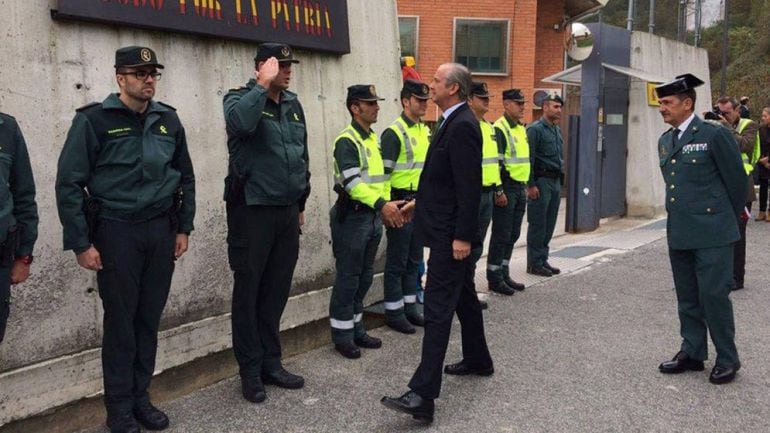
point(447, 220)
point(705, 193)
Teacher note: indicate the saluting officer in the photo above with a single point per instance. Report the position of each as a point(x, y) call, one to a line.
point(125, 191)
point(404, 146)
point(267, 186)
point(18, 213)
point(544, 185)
point(356, 220)
point(705, 192)
point(506, 220)
point(491, 186)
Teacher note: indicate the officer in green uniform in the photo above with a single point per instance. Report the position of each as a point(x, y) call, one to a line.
point(506, 220)
point(404, 146)
point(492, 193)
point(18, 213)
point(356, 220)
point(705, 192)
point(125, 191)
point(267, 185)
point(544, 185)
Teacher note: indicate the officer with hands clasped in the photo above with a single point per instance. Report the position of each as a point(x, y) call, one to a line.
point(363, 205)
point(18, 213)
point(266, 189)
point(125, 192)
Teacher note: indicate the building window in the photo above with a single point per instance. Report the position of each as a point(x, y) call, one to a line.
point(482, 45)
point(408, 29)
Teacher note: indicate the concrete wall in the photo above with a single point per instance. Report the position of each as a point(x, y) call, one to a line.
point(664, 58)
point(51, 354)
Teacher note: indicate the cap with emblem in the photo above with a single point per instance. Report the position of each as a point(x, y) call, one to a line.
point(681, 84)
point(130, 57)
point(479, 89)
point(514, 95)
point(418, 89)
point(363, 92)
point(281, 52)
point(553, 96)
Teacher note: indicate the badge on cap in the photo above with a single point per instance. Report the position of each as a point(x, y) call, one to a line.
point(285, 51)
point(372, 91)
point(425, 89)
point(145, 55)
point(484, 86)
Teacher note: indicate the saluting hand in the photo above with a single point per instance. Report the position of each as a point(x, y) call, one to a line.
point(181, 245)
point(90, 259)
point(267, 72)
point(391, 214)
point(460, 249)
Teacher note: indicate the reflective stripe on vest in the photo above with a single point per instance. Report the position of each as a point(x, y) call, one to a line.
point(490, 156)
point(411, 159)
point(748, 164)
point(516, 156)
point(371, 170)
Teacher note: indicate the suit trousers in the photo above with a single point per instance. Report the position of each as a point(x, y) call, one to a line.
point(449, 289)
point(703, 279)
point(354, 243)
point(401, 276)
point(262, 246)
point(137, 265)
point(739, 252)
point(541, 217)
point(485, 217)
point(5, 299)
point(506, 227)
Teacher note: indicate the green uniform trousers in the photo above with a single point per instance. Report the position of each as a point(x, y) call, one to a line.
point(485, 217)
point(541, 216)
point(506, 227)
point(354, 243)
point(5, 298)
point(703, 279)
point(401, 276)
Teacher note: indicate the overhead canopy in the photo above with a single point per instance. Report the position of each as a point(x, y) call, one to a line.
point(575, 9)
point(572, 76)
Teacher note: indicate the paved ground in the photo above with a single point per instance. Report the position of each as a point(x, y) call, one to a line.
point(575, 353)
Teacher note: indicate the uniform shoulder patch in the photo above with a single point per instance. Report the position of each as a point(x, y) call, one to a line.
point(167, 106)
point(87, 106)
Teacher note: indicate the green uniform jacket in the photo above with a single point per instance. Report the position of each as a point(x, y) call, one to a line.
point(705, 186)
point(545, 148)
point(133, 169)
point(17, 187)
point(267, 143)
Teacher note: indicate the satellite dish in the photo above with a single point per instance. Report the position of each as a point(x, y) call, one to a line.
point(581, 42)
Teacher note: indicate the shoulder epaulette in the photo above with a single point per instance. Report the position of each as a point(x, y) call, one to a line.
point(236, 89)
point(166, 105)
point(87, 106)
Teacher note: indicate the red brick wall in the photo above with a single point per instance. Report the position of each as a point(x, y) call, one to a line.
point(535, 49)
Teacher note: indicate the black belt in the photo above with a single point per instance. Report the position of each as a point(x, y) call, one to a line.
point(552, 174)
point(402, 194)
point(488, 188)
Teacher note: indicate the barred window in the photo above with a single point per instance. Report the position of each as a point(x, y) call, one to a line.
point(482, 45)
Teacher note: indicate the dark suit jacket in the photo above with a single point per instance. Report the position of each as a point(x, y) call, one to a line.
point(450, 184)
point(705, 186)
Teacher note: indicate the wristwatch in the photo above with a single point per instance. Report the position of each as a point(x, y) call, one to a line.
point(27, 260)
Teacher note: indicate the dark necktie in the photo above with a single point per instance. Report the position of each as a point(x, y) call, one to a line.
point(675, 137)
point(439, 122)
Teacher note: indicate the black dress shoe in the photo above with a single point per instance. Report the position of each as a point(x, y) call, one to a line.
point(555, 271)
point(539, 270)
point(368, 342)
point(680, 363)
point(283, 379)
point(150, 417)
point(253, 390)
point(401, 326)
point(348, 350)
point(416, 319)
point(513, 284)
point(501, 288)
point(411, 403)
point(122, 422)
point(721, 375)
point(462, 368)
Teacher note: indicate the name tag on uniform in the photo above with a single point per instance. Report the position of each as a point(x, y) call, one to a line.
point(695, 147)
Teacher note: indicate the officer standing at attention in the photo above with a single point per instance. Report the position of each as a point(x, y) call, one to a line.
point(404, 146)
point(506, 220)
point(544, 185)
point(356, 220)
point(18, 213)
point(491, 186)
point(267, 185)
point(125, 191)
point(705, 192)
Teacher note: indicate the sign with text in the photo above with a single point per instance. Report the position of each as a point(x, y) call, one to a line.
point(318, 25)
